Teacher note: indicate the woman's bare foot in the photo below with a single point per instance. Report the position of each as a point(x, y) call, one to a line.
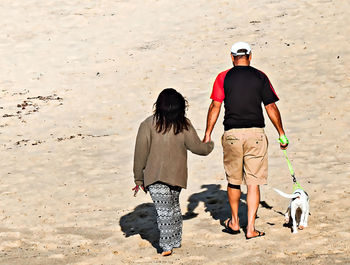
point(166, 253)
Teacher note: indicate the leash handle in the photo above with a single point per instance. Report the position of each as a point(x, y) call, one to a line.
point(283, 140)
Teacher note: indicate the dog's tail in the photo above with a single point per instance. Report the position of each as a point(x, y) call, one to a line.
point(289, 196)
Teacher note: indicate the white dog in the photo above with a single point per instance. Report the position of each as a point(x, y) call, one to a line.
point(299, 200)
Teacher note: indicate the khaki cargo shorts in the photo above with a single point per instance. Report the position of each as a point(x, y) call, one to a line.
point(245, 156)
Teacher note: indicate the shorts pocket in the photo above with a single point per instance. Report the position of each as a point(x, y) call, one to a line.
point(229, 139)
point(256, 141)
point(259, 138)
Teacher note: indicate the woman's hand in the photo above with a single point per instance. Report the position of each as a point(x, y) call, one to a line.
point(137, 188)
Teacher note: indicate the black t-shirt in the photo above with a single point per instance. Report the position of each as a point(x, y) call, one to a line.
point(243, 89)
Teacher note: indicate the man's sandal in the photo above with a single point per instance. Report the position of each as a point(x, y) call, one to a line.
point(260, 234)
point(228, 229)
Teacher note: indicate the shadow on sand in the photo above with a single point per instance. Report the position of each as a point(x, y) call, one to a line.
point(143, 220)
point(216, 203)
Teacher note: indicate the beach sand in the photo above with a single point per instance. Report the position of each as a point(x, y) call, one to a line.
point(78, 77)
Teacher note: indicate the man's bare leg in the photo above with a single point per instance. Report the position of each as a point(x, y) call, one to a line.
point(253, 200)
point(234, 195)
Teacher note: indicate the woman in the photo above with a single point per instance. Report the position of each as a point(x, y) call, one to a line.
point(160, 162)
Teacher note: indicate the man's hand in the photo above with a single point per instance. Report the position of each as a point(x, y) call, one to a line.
point(206, 138)
point(213, 114)
point(283, 147)
point(283, 142)
point(137, 188)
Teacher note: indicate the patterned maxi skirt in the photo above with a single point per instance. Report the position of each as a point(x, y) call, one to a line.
point(169, 218)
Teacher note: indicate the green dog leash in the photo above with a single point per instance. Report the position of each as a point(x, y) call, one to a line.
point(296, 185)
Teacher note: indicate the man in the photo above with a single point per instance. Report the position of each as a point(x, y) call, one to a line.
point(243, 89)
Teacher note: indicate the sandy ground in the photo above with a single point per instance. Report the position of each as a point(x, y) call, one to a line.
point(77, 78)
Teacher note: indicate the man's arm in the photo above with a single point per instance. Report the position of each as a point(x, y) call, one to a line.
point(275, 117)
point(213, 114)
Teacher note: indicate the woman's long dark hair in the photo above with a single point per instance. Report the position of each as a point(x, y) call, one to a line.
point(170, 111)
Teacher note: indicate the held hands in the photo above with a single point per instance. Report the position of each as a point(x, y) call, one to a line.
point(137, 188)
point(283, 142)
point(206, 138)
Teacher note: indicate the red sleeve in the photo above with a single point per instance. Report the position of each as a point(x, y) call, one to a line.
point(268, 92)
point(218, 93)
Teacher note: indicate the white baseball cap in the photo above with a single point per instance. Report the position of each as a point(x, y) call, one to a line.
point(240, 46)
